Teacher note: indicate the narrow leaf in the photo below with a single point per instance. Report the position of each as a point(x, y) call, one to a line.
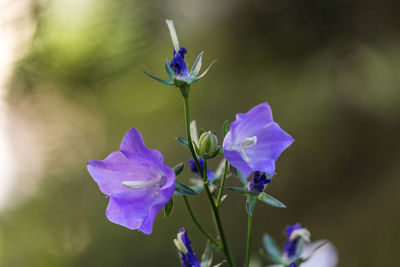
point(225, 127)
point(169, 207)
point(183, 190)
point(183, 141)
point(269, 200)
point(272, 249)
point(166, 82)
point(251, 203)
point(169, 70)
point(196, 66)
point(206, 259)
point(178, 168)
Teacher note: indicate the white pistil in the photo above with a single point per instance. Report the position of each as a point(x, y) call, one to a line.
point(179, 244)
point(247, 143)
point(157, 183)
point(301, 233)
point(172, 32)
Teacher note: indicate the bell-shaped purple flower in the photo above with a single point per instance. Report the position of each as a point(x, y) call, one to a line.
point(254, 141)
point(137, 182)
point(182, 242)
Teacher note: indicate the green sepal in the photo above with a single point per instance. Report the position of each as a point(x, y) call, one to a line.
point(183, 141)
point(196, 66)
point(169, 207)
point(272, 249)
point(183, 190)
point(196, 148)
point(240, 190)
point(170, 72)
point(178, 168)
point(166, 82)
point(251, 203)
point(206, 258)
point(238, 174)
point(225, 128)
point(269, 200)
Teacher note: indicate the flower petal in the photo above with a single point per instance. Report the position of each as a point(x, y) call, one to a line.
point(133, 145)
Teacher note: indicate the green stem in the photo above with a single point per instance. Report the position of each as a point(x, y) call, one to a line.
point(205, 184)
point(222, 184)
point(206, 234)
point(249, 231)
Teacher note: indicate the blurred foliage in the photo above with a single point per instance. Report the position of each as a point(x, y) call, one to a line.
point(329, 69)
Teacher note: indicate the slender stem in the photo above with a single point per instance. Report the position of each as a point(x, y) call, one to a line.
point(249, 231)
point(222, 184)
point(205, 184)
point(206, 234)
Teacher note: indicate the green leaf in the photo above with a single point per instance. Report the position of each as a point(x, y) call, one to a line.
point(225, 128)
point(178, 168)
point(251, 203)
point(206, 258)
point(196, 66)
point(169, 207)
point(166, 82)
point(269, 200)
point(272, 249)
point(183, 141)
point(240, 190)
point(183, 190)
point(170, 72)
point(238, 174)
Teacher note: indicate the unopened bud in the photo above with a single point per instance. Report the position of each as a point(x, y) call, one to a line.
point(208, 145)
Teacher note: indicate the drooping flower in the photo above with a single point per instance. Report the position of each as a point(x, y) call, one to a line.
point(257, 185)
point(137, 182)
point(193, 168)
point(177, 70)
point(254, 141)
point(295, 233)
point(188, 257)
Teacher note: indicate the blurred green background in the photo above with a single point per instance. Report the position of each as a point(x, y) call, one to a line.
point(329, 70)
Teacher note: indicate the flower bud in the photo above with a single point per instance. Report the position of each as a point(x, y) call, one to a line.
point(208, 145)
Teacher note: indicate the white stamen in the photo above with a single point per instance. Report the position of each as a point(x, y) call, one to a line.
point(145, 184)
point(301, 233)
point(247, 143)
point(179, 244)
point(172, 32)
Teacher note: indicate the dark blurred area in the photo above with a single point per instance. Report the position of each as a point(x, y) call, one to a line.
point(72, 86)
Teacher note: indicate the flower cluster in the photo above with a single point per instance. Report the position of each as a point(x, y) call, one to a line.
point(139, 184)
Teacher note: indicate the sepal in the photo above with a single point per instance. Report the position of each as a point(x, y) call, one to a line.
point(183, 190)
point(269, 200)
point(169, 207)
point(166, 82)
point(272, 249)
point(178, 168)
point(251, 203)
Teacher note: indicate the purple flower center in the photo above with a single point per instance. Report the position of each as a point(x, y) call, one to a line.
point(257, 185)
point(178, 63)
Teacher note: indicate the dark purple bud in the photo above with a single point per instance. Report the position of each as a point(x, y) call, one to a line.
point(257, 185)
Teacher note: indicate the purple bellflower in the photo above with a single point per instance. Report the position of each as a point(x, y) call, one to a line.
point(257, 185)
point(295, 233)
point(182, 242)
point(137, 182)
point(254, 141)
point(193, 168)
